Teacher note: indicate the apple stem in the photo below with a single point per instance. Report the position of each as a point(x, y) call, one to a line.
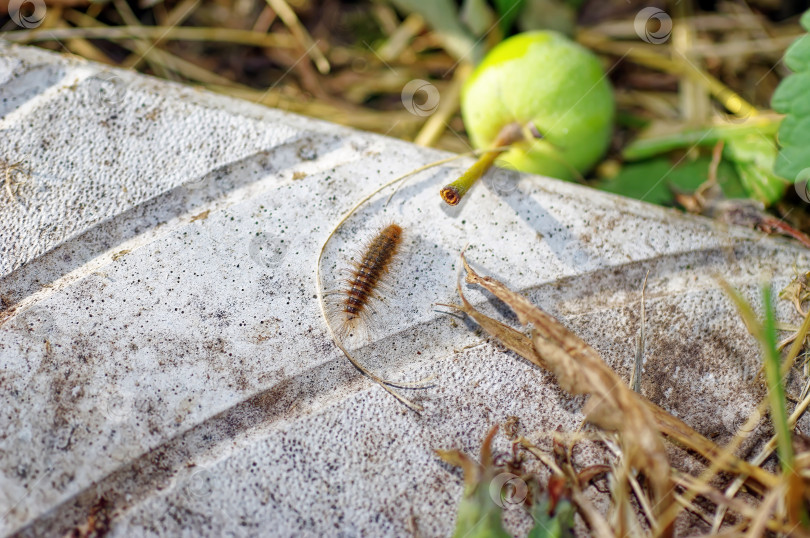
point(455, 191)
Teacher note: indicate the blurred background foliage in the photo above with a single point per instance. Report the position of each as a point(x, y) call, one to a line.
point(694, 127)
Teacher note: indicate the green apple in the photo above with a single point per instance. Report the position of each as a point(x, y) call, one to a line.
point(554, 87)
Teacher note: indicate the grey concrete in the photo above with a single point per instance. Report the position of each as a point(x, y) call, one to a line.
point(161, 347)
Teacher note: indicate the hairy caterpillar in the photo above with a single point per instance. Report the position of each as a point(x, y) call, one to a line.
point(365, 279)
point(366, 274)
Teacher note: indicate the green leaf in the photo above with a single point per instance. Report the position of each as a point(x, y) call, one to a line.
point(776, 389)
point(794, 130)
point(793, 158)
point(796, 508)
point(680, 137)
point(761, 184)
point(797, 56)
point(478, 516)
point(479, 512)
point(478, 16)
point(790, 96)
point(805, 20)
point(548, 15)
point(746, 311)
point(652, 180)
point(443, 17)
point(560, 525)
point(765, 333)
point(792, 162)
point(754, 156)
point(508, 10)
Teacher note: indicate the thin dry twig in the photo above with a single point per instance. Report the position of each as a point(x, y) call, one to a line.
point(652, 57)
point(180, 33)
point(437, 122)
point(286, 14)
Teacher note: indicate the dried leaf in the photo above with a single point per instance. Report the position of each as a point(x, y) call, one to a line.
point(671, 426)
point(667, 424)
point(470, 468)
point(580, 370)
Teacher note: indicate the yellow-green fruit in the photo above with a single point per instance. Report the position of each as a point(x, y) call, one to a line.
point(556, 84)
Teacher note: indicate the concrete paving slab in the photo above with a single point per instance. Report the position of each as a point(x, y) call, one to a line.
point(163, 357)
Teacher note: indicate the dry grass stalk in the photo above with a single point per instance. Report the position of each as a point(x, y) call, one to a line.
point(286, 14)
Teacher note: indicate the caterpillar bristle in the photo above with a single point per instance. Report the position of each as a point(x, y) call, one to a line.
point(355, 302)
point(365, 280)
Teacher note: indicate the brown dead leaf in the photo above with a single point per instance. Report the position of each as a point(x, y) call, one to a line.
point(580, 370)
point(457, 458)
point(473, 471)
point(674, 428)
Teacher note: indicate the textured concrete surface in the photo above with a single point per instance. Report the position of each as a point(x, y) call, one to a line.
point(163, 358)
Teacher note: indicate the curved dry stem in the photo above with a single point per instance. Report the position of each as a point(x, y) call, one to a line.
point(385, 384)
point(320, 287)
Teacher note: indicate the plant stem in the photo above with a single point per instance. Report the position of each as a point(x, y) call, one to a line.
point(455, 191)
